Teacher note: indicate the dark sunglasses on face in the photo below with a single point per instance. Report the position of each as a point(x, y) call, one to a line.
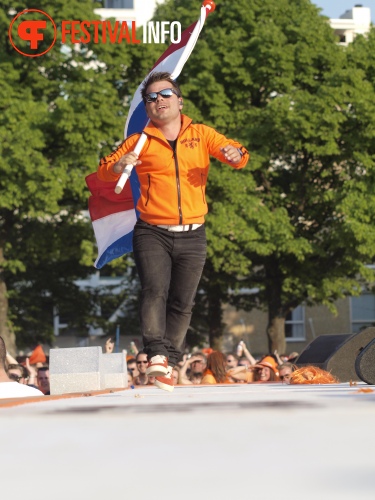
point(14, 377)
point(139, 362)
point(165, 93)
point(286, 377)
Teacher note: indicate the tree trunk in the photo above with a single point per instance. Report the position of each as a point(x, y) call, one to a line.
point(215, 317)
point(276, 334)
point(5, 331)
point(276, 312)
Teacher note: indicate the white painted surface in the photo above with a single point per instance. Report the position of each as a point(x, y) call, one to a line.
point(218, 442)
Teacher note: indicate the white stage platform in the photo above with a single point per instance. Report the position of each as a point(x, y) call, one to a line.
point(257, 441)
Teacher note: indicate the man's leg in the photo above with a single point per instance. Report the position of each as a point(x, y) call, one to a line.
point(151, 248)
point(188, 259)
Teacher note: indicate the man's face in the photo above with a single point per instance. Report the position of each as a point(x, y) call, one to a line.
point(132, 367)
point(285, 374)
point(164, 110)
point(43, 380)
point(198, 366)
point(142, 363)
point(232, 362)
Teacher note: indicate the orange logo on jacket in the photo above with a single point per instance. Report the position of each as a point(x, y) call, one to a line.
point(191, 143)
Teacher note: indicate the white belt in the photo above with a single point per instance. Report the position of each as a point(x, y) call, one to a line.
point(179, 229)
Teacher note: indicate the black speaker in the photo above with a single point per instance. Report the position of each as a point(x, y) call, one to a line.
point(337, 353)
point(365, 364)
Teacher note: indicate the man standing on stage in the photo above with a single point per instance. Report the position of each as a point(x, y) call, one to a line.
point(169, 241)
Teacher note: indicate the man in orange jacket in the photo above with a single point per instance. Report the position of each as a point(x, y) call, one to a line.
point(169, 241)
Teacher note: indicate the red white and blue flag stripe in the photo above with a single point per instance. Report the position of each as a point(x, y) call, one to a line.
point(113, 215)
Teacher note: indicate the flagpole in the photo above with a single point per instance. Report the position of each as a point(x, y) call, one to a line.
point(207, 7)
point(128, 169)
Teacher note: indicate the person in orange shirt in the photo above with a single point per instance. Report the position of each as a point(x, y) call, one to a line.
point(216, 371)
point(265, 370)
point(169, 240)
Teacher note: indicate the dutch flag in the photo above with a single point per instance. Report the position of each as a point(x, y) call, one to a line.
point(114, 215)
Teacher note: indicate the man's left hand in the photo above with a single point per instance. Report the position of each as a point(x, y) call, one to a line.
point(231, 154)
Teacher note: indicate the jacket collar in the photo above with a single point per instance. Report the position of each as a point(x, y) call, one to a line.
point(155, 132)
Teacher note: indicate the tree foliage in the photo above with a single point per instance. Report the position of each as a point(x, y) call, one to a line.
point(297, 222)
point(60, 113)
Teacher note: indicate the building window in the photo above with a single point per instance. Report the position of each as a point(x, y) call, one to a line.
point(119, 4)
point(295, 324)
point(362, 311)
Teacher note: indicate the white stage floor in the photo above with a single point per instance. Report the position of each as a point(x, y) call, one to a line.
point(260, 441)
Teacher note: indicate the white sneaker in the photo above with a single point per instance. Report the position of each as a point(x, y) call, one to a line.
point(157, 366)
point(165, 382)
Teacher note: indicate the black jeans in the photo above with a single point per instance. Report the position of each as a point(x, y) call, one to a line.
point(169, 265)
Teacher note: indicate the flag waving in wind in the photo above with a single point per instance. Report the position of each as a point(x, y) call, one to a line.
point(114, 215)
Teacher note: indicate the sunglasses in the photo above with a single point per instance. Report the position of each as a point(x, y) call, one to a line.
point(14, 377)
point(165, 93)
point(286, 377)
point(139, 362)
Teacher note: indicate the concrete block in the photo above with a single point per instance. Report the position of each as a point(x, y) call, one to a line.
point(115, 370)
point(76, 369)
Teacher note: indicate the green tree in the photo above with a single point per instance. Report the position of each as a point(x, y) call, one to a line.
point(60, 113)
point(297, 223)
point(313, 221)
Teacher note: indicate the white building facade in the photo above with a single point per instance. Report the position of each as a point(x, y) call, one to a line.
point(353, 22)
point(139, 11)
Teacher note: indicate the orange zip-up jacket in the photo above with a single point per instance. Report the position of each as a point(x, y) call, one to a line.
point(173, 184)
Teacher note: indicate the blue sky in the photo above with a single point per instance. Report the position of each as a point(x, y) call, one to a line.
point(334, 8)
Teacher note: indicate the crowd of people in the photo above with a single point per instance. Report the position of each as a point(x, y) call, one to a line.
point(29, 375)
point(214, 367)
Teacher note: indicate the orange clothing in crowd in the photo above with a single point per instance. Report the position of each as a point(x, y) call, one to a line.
point(37, 356)
point(172, 191)
point(208, 378)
